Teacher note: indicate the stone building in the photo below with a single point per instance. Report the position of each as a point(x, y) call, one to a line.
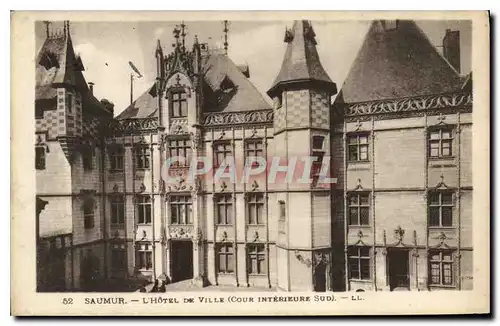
point(398, 133)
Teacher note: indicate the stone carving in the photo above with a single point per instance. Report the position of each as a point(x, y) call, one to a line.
point(409, 105)
point(305, 261)
point(180, 232)
point(234, 118)
point(130, 126)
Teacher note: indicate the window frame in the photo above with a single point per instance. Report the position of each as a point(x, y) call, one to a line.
point(225, 200)
point(40, 158)
point(117, 159)
point(88, 214)
point(228, 255)
point(177, 103)
point(354, 253)
point(142, 154)
point(121, 249)
point(440, 207)
point(255, 203)
point(440, 141)
point(225, 152)
point(254, 254)
point(357, 145)
point(143, 257)
point(441, 262)
point(117, 210)
point(359, 206)
point(187, 203)
point(254, 152)
point(185, 148)
point(282, 210)
point(142, 204)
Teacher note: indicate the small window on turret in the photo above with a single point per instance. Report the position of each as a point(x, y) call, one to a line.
point(69, 102)
point(278, 100)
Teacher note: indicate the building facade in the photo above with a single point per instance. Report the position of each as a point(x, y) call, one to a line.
point(398, 135)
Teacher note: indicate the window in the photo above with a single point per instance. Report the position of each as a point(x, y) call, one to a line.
point(181, 210)
point(256, 259)
point(87, 158)
point(255, 207)
point(359, 209)
point(88, 214)
point(224, 206)
point(69, 101)
point(117, 210)
point(253, 148)
point(40, 158)
point(440, 143)
point(178, 105)
point(441, 267)
point(222, 150)
point(282, 210)
point(142, 155)
point(357, 147)
point(116, 159)
point(118, 258)
point(144, 210)
point(179, 147)
point(144, 257)
point(359, 263)
point(441, 208)
point(225, 258)
point(318, 152)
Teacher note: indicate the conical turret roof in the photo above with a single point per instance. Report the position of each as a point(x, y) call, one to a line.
point(301, 62)
point(397, 60)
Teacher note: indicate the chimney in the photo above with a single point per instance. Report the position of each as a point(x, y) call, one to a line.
point(451, 48)
point(91, 87)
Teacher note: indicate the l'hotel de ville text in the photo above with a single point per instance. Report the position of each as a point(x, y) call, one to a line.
point(397, 132)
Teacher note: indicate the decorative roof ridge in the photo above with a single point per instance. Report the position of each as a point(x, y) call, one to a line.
point(409, 104)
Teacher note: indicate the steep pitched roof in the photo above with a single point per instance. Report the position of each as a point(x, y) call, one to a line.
point(397, 60)
point(301, 61)
point(225, 80)
point(222, 75)
point(146, 105)
point(58, 66)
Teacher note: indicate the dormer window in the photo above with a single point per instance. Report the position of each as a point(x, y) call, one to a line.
point(178, 104)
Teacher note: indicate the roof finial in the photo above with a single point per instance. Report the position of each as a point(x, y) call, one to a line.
point(176, 32)
point(47, 23)
point(225, 36)
point(183, 35)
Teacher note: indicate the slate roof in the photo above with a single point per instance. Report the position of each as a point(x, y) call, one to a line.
point(219, 72)
point(397, 60)
point(58, 66)
point(301, 62)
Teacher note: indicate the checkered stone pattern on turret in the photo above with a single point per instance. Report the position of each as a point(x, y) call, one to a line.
point(91, 127)
point(48, 124)
point(279, 119)
point(297, 109)
point(320, 113)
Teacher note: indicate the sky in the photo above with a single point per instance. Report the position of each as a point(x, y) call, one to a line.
point(107, 47)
